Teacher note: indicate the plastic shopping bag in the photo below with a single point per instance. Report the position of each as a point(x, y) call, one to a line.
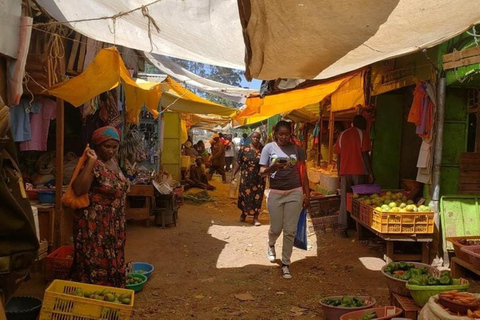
point(300, 241)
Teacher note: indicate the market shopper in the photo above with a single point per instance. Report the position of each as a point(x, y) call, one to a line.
point(284, 163)
point(252, 184)
point(99, 229)
point(229, 154)
point(217, 158)
point(353, 164)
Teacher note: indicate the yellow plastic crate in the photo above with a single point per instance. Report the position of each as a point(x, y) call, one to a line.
point(403, 222)
point(60, 304)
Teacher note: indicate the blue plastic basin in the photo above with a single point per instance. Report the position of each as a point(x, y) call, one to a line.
point(46, 196)
point(143, 268)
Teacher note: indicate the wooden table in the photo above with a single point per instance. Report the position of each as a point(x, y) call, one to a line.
point(146, 192)
point(460, 267)
point(391, 239)
point(46, 213)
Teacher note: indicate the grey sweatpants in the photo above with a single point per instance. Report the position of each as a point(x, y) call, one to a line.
point(284, 213)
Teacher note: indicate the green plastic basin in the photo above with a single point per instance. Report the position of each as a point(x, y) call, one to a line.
point(421, 294)
point(138, 286)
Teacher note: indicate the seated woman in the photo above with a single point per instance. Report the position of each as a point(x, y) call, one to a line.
point(197, 177)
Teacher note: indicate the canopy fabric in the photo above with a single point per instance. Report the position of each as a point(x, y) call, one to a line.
point(176, 71)
point(310, 39)
point(322, 39)
point(349, 87)
point(105, 72)
point(10, 13)
point(207, 31)
point(178, 98)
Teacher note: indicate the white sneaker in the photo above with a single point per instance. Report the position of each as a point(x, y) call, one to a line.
point(271, 254)
point(286, 272)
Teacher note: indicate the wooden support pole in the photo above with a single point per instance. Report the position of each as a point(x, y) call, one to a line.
point(59, 151)
point(331, 126)
point(319, 145)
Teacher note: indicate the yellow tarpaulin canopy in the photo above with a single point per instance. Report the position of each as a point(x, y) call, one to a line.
point(346, 91)
point(107, 71)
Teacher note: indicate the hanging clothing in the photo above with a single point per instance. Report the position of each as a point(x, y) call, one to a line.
point(252, 184)
point(99, 231)
point(414, 116)
point(20, 119)
point(40, 124)
point(315, 133)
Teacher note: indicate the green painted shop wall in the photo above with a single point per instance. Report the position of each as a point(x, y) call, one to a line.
point(171, 155)
point(454, 138)
point(387, 140)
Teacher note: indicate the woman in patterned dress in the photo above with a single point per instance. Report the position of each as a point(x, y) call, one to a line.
point(252, 184)
point(99, 229)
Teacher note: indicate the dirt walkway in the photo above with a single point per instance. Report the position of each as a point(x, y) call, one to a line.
point(210, 257)
point(203, 264)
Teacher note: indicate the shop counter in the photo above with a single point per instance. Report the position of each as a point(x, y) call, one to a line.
point(140, 203)
point(391, 239)
point(46, 213)
point(460, 267)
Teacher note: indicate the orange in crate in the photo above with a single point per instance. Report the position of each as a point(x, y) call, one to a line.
point(59, 263)
point(349, 202)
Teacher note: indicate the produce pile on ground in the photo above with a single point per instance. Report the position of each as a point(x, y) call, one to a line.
point(105, 295)
point(131, 279)
point(390, 202)
point(346, 302)
point(404, 271)
point(199, 197)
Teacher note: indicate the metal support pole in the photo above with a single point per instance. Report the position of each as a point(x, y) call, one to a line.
point(437, 162)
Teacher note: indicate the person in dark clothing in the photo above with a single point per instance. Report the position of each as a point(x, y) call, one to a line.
point(198, 178)
point(217, 159)
point(252, 184)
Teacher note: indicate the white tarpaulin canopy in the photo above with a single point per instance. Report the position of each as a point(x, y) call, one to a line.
point(10, 12)
point(207, 31)
point(285, 39)
point(223, 90)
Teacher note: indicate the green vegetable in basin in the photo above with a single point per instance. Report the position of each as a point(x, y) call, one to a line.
point(445, 279)
point(345, 302)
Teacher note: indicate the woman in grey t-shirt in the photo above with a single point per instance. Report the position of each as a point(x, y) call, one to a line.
point(279, 161)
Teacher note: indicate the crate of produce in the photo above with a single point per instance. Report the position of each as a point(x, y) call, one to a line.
point(324, 206)
point(366, 214)
point(349, 202)
point(403, 222)
point(460, 242)
point(59, 263)
point(80, 301)
point(473, 253)
point(356, 208)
